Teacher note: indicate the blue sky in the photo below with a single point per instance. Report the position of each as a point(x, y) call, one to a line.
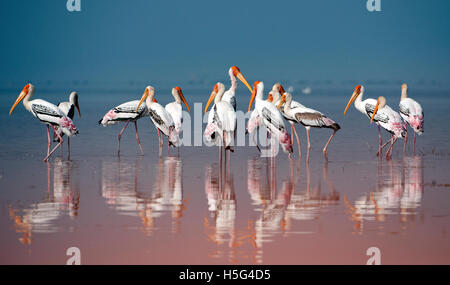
point(177, 41)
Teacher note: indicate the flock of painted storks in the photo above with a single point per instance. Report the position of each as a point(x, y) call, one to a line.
point(221, 124)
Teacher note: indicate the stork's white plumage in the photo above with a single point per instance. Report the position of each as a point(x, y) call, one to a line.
point(390, 121)
point(68, 108)
point(277, 91)
point(48, 114)
point(271, 118)
point(412, 113)
point(160, 117)
point(126, 112)
point(175, 109)
point(307, 117)
point(367, 107)
point(221, 118)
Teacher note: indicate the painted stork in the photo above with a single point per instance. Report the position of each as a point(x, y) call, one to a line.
point(160, 117)
point(271, 118)
point(277, 91)
point(308, 118)
point(412, 114)
point(367, 107)
point(390, 120)
point(48, 114)
point(223, 118)
point(68, 108)
point(176, 110)
point(126, 112)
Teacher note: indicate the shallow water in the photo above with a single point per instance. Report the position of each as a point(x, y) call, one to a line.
point(185, 209)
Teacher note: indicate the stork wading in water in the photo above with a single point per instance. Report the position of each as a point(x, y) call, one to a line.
point(126, 112)
point(68, 108)
point(366, 107)
point(271, 117)
point(176, 110)
point(308, 118)
point(254, 122)
point(412, 114)
point(48, 114)
point(160, 117)
point(277, 91)
point(229, 96)
point(223, 122)
point(390, 121)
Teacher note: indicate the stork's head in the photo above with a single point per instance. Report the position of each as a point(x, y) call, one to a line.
point(219, 88)
point(235, 72)
point(356, 93)
point(258, 86)
point(178, 94)
point(286, 98)
point(28, 89)
point(381, 102)
point(149, 92)
point(73, 98)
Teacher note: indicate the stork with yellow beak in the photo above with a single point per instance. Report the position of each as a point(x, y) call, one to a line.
point(160, 117)
point(222, 118)
point(271, 118)
point(390, 120)
point(229, 95)
point(309, 118)
point(176, 110)
point(48, 114)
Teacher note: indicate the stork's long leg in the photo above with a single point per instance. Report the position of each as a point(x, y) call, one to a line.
point(120, 135)
point(326, 146)
point(292, 134)
point(49, 142)
point(383, 146)
point(159, 137)
point(406, 140)
point(58, 145)
point(298, 142)
point(388, 153)
point(68, 146)
point(380, 139)
point(137, 138)
point(309, 144)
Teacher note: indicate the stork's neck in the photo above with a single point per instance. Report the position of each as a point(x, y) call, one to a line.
point(404, 93)
point(218, 97)
point(233, 82)
point(287, 105)
point(177, 97)
point(26, 100)
point(259, 92)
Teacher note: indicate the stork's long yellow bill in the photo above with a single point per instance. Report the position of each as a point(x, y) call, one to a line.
point(352, 99)
point(211, 97)
point(253, 95)
point(243, 80)
point(184, 100)
point(375, 111)
point(22, 95)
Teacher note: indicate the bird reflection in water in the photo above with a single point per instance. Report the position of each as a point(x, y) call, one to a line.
point(398, 192)
point(220, 227)
point(124, 192)
point(63, 199)
point(279, 208)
